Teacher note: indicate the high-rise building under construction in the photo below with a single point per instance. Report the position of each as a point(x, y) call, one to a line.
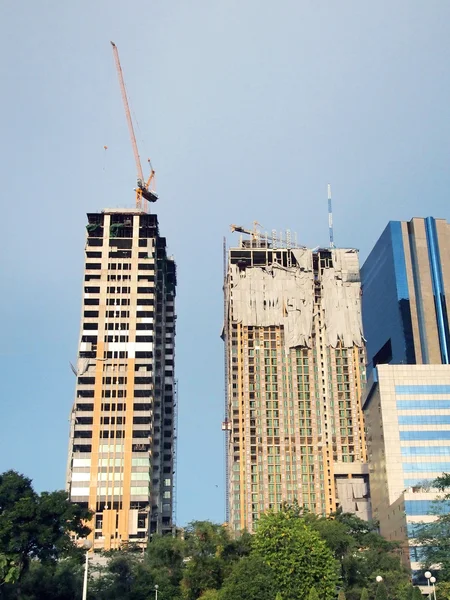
point(121, 454)
point(295, 369)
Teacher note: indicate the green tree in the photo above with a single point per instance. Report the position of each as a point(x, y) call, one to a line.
point(337, 534)
point(62, 580)
point(434, 537)
point(9, 571)
point(251, 579)
point(124, 578)
point(360, 550)
point(201, 574)
point(164, 560)
point(210, 555)
point(210, 595)
point(443, 591)
point(416, 594)
point(381, 593)
point(341, 595)
point(36, 526)
point(313, 595)
point(300, 559)
point(364, 594)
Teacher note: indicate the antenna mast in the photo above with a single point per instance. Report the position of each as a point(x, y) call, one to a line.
point(330, 218)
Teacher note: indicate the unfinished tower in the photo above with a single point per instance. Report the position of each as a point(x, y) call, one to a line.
point(295, 361)
point(121, 454)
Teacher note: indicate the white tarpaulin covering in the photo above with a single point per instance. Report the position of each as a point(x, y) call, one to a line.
point(277, 295)
point(352, 495)
point(342, 300)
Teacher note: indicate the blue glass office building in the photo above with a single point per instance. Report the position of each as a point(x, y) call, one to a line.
point(407, 417)
point(406, 289)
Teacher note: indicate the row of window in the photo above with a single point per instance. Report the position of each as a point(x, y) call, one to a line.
point(150, 266)
point(422, 389)
point(410, 436)
point(431, 467)
point(425, 507)
point(425, 450)
point(424, 420)
point(422, 404)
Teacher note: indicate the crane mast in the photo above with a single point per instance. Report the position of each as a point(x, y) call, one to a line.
point(143, 191)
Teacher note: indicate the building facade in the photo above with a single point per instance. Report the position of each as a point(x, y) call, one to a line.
point(407, 415)
point(121, 450)
point(406, 294)
point(295, 370)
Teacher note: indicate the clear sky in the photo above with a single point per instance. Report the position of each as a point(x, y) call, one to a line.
point(248, 108)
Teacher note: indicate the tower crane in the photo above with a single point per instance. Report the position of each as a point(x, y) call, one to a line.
point(143, 190)
point(254, 233)
point(275, 238)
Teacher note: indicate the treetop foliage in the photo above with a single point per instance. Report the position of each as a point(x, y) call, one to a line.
point(294, 555)
point(35, 526)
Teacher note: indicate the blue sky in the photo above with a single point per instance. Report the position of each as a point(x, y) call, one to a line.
point(248, 108)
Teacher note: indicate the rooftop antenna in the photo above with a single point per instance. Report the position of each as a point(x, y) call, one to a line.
point(330, 218)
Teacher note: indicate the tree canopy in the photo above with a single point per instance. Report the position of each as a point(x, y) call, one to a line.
point(434, 537)
point(294, 555)
point(300, 559)
point(35, 526)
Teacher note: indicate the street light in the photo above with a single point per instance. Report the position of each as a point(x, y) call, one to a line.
point(156, 591)
point(87, 545)
point(433, 581)
point(428, 577)
point(379, 579)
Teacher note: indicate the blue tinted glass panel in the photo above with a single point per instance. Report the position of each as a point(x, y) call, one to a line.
point(433, 467)
point(415, 481)
point(422, 389)
point(416, 554)
point(386, 299)
point(413, 529)
point(423, 404)
point(424, 420)
point(425, 450)
point(438, 287)
point(425, 507)
point(411, 436)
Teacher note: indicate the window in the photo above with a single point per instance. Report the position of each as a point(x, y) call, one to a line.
point(425, 507)
point(424, 419)
point(424, 435)
point(422, 389)
point(422, 404)
point(91, 301)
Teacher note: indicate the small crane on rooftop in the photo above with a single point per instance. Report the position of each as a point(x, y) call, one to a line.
point(144, 192)
point(275, 238)
point(254, 233)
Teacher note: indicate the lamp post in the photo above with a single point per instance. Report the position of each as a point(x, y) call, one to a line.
point(87, 546)
point(428, 577)
point(378, 579)
point(433, 581)
point(156, 591)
